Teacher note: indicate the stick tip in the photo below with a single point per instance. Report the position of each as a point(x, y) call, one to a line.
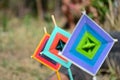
point(94, 78)
point(52, 16)
point(116, 40)
point(31, 56)
point(59, 53)
point(45, 30)
point(84, 12)
point(41, 52)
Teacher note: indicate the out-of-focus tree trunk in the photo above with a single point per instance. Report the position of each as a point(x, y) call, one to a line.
point(4, 7)
point(39, 9)
point(57, 7)
point(21, 8)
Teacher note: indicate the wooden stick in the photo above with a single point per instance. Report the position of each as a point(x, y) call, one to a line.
point(58, 75)
point(70, 74)
point(45, 30)
point(53, 18)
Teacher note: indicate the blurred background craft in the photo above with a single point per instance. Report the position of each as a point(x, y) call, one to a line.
point(55, 45)
point(44, 59)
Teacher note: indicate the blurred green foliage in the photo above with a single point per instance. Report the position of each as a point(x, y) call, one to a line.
point(4, 22)
point(102, 7)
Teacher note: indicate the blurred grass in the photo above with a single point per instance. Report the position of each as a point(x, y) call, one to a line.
point(17, 45)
